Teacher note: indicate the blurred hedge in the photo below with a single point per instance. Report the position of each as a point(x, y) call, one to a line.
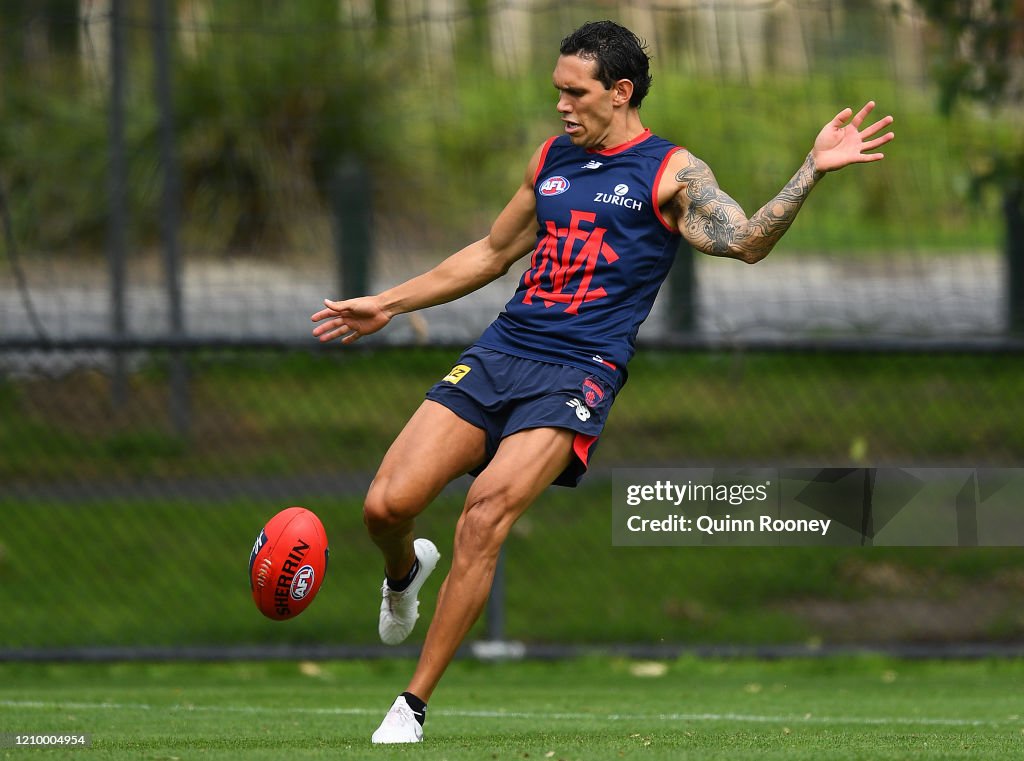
point(271, 97)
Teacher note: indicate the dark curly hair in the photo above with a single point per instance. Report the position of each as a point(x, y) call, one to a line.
point(619, 54)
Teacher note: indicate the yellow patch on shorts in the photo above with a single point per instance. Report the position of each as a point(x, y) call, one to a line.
point(457, 373)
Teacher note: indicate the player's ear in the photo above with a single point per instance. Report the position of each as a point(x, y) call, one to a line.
point(622, 91)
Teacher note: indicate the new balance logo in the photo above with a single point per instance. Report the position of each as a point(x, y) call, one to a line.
point(591, 165)
point(581, 409)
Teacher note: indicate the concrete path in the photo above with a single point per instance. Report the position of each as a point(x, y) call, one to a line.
point(789, 297)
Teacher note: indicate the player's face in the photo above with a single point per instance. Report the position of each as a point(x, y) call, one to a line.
point(583, 102)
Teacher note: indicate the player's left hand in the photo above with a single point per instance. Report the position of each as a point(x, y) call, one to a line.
point(840, 144)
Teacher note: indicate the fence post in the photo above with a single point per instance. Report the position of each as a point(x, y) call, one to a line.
point(496, 603)
point(682, 292)
point(352, 214)
point(117, 178)
point(170, 214)
point(1013, 214)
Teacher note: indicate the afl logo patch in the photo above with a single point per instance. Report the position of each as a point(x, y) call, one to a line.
point(553, 186)
point(302, 582)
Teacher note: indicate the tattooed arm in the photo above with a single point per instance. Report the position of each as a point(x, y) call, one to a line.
point(714, 223)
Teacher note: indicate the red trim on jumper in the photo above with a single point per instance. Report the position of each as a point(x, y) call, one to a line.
point(581, 445)
point(657, 184)
point(612, 365)
point(543, 158)
point(624, 147)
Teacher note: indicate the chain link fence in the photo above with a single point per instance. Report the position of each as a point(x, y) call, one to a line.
point(161, 397)
point(122, 529)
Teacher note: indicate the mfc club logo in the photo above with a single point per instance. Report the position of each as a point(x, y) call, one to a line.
point(563, 264)
point(302, 583)
point(554, 186)
point(592, 393)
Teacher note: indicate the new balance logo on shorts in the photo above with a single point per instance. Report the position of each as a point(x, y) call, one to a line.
point(581, 409)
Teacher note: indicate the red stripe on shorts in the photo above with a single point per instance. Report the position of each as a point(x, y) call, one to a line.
point(581, 446)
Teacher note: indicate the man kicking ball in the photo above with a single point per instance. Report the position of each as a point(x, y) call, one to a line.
point(602, 208)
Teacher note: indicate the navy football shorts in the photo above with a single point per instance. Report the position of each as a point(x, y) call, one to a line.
point(504, 394)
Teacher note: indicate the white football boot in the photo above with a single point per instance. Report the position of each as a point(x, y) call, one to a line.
point(399, 610)
point(399, 726)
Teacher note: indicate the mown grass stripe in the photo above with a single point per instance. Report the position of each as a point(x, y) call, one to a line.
point(531, 715)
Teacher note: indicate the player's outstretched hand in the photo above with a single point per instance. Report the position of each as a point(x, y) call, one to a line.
point(349, 320)
point(840, 144)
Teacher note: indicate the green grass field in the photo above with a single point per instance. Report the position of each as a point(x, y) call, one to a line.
point(168, 568)
point(849, 708)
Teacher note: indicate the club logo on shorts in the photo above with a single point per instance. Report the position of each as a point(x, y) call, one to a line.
point(457, 373)
point(581, 409)
point(553, 186)
point(592, 393)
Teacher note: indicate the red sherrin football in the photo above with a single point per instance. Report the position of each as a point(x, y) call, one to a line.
point(288, 563)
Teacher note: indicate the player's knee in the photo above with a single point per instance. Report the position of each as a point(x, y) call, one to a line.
point(484, 524)
point(387, 508)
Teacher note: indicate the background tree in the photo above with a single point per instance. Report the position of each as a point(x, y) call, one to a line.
point(981, 60)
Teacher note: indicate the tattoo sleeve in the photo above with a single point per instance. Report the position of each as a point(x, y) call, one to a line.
point(714, 223)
